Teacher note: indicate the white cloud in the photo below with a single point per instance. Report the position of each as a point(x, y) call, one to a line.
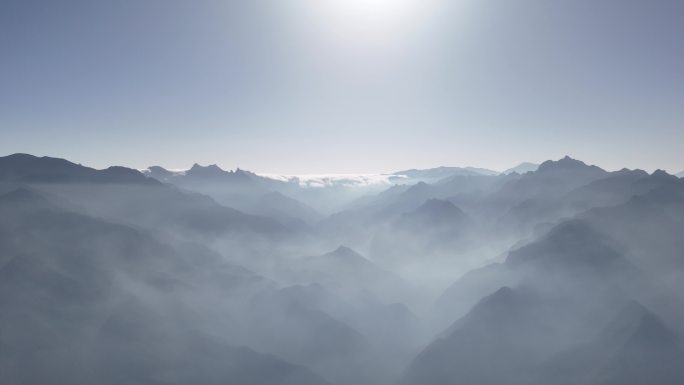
point(335, 180)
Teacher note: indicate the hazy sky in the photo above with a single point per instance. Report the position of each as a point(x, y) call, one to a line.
point(340, 86)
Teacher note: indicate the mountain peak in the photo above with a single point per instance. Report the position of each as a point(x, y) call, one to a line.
point(418, 189)
point(438, 205)
point(636, 324)
point(158, 172)
point(522, 168)
point(344, 252)
point(435, 212)
point(662, 174)
point(568, 164)
point(572, 244)
point(439, 208)
point(199, 168)
point(21, 156)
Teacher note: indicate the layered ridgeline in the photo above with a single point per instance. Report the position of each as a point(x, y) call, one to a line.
point(561, 273)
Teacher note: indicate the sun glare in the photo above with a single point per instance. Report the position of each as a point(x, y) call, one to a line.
point(372, 17)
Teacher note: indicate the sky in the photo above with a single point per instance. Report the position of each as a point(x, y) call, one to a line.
point(344, 86)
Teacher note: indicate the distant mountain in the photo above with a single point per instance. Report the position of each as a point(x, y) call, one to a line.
point(435, 212)
point(379, 323)
point(366, 215)
point(522, 168)
point(127, 196)
point(520, 337)
point(242, 190)
point(346, 272)
point(680, 174)
point(500, 341)
point(569, 165)
point(435, 230)
point(648, 225)
point(635, 347)
point(289, 323)
point(435, 174)
point(615, 188)
point(160, 173)
point(573, 259)
point(534, 197)
point(89, 301)
point(140, 343)
point(553, 295)
point(197, 173)
point(285, 209)
point(24, 168)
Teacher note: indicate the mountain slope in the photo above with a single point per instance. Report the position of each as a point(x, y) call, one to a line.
point(89, 301)
point(31, 169)
point(127, 196)
point(522, 168)
point(635, 347)
point(434, 230)
point(346, 272)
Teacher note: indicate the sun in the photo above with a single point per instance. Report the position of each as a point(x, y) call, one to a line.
point(379, 11)
point(371, 8)
point(370, 19)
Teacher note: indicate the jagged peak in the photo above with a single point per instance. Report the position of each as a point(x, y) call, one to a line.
point(212, 167)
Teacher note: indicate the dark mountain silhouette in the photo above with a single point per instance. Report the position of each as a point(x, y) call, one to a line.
point(532, 199)
point(197, 173)
point(128, 196)
point(31, 169)
point(215, 172)
point(552, 178)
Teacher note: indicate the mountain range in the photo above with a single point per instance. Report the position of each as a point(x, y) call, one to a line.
point(562, 273)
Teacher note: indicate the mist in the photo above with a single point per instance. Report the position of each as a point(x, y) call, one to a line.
point(563, 274)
